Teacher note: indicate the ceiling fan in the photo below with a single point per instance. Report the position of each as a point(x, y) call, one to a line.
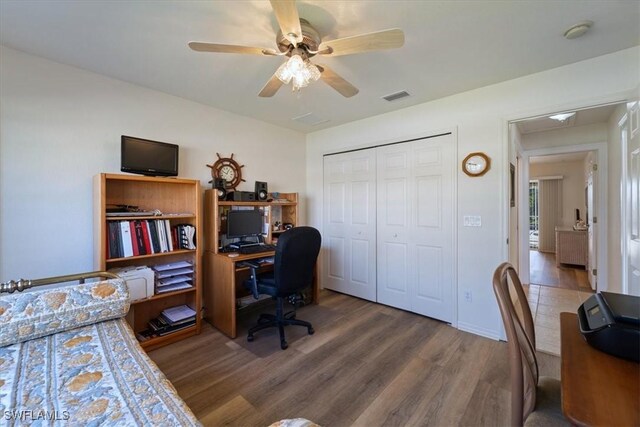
point(299, 41)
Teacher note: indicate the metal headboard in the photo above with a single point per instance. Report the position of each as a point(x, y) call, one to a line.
point(22, 284)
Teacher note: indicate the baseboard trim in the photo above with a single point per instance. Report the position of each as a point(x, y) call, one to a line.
point(488, 333)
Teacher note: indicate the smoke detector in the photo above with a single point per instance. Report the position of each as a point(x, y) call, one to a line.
point(577, 30)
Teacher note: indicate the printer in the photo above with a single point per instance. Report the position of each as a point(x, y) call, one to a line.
point(611, 323)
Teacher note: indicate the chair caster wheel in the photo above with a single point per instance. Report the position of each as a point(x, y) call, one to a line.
point(311, 331)
point(284, 345)
point(249, 338)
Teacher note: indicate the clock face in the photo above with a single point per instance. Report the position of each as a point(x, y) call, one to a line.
point(476, 164)
point(228, 169)
point(227, 173)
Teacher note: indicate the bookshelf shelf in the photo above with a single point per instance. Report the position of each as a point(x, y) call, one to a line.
point(182, 199)
point(133, 218)
point(164, 295)
point(133, 258)
point(157, 342)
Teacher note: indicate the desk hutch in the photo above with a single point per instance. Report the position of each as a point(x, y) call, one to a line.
point(223, 277)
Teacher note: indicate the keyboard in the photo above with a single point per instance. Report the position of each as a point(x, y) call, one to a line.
point(245, 250)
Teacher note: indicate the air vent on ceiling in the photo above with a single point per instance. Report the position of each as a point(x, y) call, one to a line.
point(397, 95)
point(310, 119)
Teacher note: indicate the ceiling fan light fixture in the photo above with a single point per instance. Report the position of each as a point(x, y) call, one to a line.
point(299, 71)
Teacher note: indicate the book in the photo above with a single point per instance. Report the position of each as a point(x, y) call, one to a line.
point(167, 230)
point(162, 236)
point(125, 233)
point(134, 241)
point(139, 237)
point(153, 235)
point(113, 241)
point(145, 235)
point(180, 312)
point(168, 322)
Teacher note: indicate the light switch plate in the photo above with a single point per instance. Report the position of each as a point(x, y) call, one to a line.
point(472, 221)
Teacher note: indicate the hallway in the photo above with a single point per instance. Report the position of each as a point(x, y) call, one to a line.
point(543, 271)
point(546, 304)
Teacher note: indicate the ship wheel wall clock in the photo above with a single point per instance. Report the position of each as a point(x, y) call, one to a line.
point(228, 169)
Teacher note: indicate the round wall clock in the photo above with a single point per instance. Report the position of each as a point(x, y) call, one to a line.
point(228, 169)
point(476, 164)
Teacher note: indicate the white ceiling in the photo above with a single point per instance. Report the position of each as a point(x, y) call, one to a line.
point(581, 118)
point(560, 158)
point(451, 47)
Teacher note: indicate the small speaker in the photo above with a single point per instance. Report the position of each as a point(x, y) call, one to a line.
point(261, 191)
point(220, 185)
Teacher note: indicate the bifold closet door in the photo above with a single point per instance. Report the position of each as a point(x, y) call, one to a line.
point(350, 223)
point(415, 218)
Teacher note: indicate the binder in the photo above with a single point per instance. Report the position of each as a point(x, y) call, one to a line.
point(134, 241)
point(139, 237)
point(125, 233)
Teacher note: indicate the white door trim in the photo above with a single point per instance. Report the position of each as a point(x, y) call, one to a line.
point(601, 240)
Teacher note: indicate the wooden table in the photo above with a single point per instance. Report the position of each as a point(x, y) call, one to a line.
point(597, 388)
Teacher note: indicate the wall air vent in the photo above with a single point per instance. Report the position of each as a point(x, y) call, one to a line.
point(310, 119)
point(395, 96)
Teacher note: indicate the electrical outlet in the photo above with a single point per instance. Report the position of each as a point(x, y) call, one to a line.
point(467, 296)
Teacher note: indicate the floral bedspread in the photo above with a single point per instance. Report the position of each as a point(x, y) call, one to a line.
point(92, 375)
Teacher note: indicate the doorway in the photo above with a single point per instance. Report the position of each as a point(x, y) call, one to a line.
point(559, 237)
point(563, 164)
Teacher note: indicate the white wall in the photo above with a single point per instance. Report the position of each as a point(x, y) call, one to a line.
point(60, 125)
point(573, 184)
point(480, 117)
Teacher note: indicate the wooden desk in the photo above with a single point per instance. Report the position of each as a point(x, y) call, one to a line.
point(223, 283)
point(597, 388)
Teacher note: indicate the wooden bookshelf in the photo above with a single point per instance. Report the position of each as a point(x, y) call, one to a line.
point(179, 200)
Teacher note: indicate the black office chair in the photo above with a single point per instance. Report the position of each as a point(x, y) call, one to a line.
point(293, 270)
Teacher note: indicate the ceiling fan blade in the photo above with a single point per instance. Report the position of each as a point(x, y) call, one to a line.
point(345, 88)
point(386, 39)
point(229, 48)
point(271, 87)
point(288, 19)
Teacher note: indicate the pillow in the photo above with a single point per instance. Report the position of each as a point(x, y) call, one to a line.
point(28, 315)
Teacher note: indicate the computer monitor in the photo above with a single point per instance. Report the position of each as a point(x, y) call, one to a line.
point(244, 223)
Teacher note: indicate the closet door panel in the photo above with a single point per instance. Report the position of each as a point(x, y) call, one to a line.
point(432, 220)
point(349, 225)
point(393, 232)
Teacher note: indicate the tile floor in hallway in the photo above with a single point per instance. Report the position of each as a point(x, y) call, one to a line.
point(546, 305)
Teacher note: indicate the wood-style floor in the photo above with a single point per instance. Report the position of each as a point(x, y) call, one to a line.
point(543, 271)
point(366, 365)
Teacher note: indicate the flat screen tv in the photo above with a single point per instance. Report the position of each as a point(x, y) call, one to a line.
point(148, 157)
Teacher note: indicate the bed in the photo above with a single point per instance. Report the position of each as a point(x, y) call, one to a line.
point(67, 355)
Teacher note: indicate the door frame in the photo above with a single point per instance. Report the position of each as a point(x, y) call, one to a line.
point(600, 149)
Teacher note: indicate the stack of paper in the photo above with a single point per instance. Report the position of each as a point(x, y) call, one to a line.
point(173, 276)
